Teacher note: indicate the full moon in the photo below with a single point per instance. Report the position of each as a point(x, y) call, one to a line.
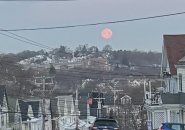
point(106, 33)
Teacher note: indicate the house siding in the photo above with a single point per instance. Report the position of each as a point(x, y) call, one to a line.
point(173, 72)
point(171, 84)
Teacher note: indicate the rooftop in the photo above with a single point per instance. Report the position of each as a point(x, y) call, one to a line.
point(174, 46)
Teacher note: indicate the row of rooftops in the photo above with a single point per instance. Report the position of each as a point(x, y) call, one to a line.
point(23, 108)
point(55, 106)
point(23, 104)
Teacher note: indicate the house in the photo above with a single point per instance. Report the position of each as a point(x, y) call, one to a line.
point(31, 117)
point(108, 104)
point(83, 105)
point(168, 104)
point(4, 114)
point(99, 63)
point(14, 115)
point(62, 108)
point(64, 114)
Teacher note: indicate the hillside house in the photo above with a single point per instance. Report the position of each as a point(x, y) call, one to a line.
point(99, 63)
point(168, 105)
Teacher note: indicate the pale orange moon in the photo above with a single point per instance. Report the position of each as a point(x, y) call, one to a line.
point(106, 33)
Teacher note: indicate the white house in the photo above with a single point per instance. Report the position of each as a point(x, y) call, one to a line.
point(31, 117)
point(4, 117)
point(168, 105)
point(64, 114)
point(14, 115)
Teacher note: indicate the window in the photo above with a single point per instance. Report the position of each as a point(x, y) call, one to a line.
point(183, 127)
point(105, 122)
point(180, 82)
point(2, 120)
point(169, 85)
point(147, 97)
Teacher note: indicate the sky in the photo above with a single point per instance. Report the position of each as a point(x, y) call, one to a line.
point(146, 35)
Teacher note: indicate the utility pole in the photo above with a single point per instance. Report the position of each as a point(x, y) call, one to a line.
point(114, 91)
point(77, 112)
point(0, 115)
point(43, 102)
point(89, 101)
point(99, 105)
point(76, 109)
point(150, 90)
point(43, 83)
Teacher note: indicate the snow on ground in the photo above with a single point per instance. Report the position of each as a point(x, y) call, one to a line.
point(69, 123)
point(46, 60)
point(136, 83)
point(35, 59)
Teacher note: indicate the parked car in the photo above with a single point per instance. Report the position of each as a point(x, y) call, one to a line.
point(172, 126)
point(105, 124)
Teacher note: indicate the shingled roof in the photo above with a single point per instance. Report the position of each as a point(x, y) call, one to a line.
point(181, 61)
point(174, 46)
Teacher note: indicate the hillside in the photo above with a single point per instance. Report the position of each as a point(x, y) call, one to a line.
point(115, 57)
point(81, 64)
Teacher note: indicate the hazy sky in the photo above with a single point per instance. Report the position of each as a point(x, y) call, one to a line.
point(142, 35)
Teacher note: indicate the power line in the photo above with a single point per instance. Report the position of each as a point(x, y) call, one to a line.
point(31, 41)
point(95, 24)
point(25, 113)
point(41, 46)
point(12, 110)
